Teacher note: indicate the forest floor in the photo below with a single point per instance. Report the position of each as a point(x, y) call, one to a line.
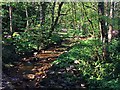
point(36, 71)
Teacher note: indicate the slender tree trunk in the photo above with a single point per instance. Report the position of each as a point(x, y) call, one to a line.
point(42, 9)
point(111, 25)
point(112, 9)
point(42, 12)
point(56, 20)
point(110, 33)
point(27, 23)
point(106, 11)
point(73, 15)
point(88, 18)
point(103, 30)
point(101, 20)
point(53, 12)
point(10, 16)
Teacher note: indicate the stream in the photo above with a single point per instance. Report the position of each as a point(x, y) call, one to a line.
point(33, 72)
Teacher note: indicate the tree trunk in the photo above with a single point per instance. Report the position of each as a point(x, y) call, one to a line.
point(106, 11)
point(101, 20)
point(110, 33)
point(42, 8)
point(103, 30)
point(42, 12)
point(27, 23)
point(73, 16)
point(56, 20)
point(111, 17)
point(10, 16)
point(53, 12)
point(91, 23)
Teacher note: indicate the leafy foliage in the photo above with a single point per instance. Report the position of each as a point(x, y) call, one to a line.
point(33, 28)
point(97, 73)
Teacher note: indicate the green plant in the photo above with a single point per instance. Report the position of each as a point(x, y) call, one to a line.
point(97, 73)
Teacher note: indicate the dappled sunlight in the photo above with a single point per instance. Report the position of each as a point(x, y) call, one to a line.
point(51, 45)
point(34, 69)
point(60, 67)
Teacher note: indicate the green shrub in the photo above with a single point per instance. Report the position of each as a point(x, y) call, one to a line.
point(98, 73)
point(55, 39)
